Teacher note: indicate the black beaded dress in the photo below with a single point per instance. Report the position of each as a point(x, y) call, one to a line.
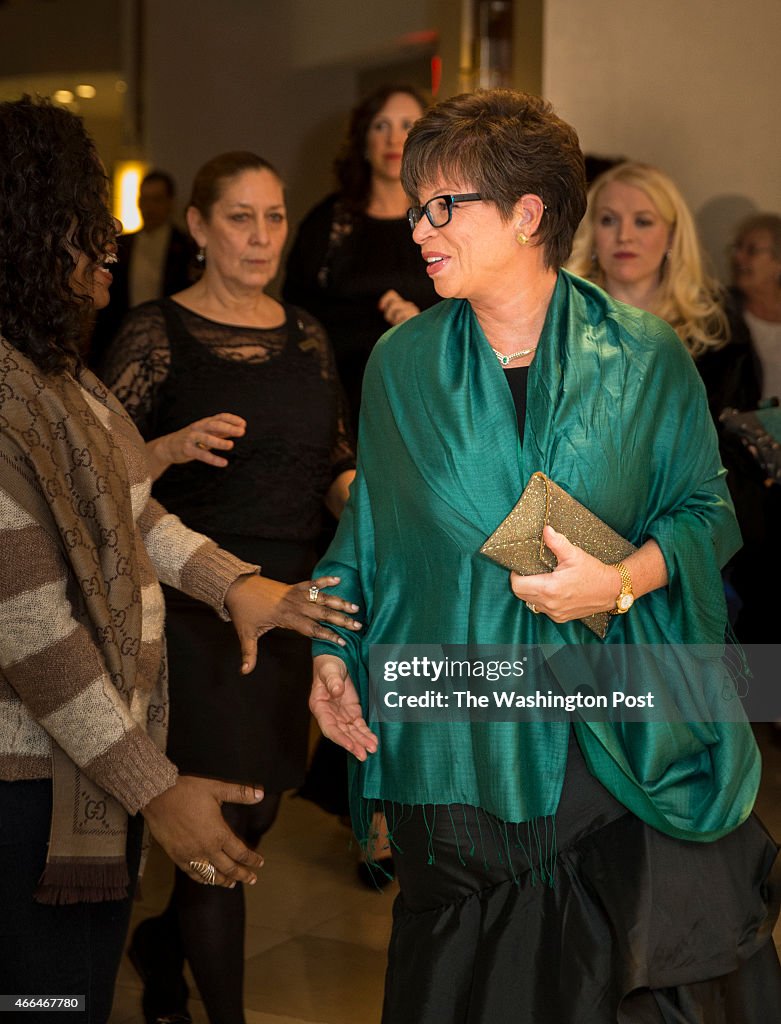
point(170, 366)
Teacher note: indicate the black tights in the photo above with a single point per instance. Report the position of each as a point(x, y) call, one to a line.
point(205, 924)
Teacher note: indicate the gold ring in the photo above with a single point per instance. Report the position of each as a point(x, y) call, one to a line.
point(202, 446)
point(532, 607)
point(205, 869)
point(313, 592)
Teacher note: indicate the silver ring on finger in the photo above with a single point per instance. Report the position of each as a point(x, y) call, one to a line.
point(205, 870)
point(532, 607)
point(313, 592)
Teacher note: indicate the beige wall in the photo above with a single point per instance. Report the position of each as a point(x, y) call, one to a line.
point(691, 85)
point(275, 77)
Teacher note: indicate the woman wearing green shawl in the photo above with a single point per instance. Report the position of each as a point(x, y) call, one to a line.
point(550, 872)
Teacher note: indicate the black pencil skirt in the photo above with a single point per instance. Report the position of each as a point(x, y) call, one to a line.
point(250, 729)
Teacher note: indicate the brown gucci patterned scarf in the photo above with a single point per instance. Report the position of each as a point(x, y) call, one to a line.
point(66, 470)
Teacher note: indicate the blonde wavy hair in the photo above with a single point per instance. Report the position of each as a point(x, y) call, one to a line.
point(688, 298)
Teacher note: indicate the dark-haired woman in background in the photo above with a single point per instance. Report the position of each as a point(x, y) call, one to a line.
point(353, 264)
point(224, 343)
point(83, 695)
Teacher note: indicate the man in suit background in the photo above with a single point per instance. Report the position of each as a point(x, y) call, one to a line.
point(153, 262)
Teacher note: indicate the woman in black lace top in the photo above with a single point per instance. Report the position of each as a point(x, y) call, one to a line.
point(223, 343)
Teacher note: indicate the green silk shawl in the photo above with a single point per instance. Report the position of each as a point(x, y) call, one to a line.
point(617, 415)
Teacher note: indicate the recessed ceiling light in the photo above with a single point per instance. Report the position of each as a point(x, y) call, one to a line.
point(63, 96)
point(86, 92)
point(120, 86)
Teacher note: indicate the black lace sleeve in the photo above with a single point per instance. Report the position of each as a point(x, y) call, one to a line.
point(138, 362)
point(343, 448)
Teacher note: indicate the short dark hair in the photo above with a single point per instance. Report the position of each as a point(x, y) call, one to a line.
point(162, 176)
point(503, 144)
point(210, 180)
point(53, 207)
point(352, 169)
point(770, 222)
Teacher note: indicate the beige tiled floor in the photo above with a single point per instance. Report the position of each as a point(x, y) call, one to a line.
point(315, 938)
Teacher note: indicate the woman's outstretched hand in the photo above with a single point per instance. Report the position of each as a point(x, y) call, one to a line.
point(195, 441)
point(334, 703)
point(257, 604)
point(187, 821)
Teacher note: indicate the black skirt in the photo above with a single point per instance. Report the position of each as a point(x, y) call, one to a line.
point(637, 927)
point(223, 725)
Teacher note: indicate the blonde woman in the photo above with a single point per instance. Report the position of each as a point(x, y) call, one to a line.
point(638, 241)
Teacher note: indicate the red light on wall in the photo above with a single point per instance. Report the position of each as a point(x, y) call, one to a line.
point(436, 74)
point(421, 38)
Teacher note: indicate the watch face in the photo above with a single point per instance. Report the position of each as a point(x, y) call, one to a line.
point(625, 602)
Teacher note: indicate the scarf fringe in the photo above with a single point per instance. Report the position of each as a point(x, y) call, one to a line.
point(65, 882)
point(737, 665)
point(534, 856)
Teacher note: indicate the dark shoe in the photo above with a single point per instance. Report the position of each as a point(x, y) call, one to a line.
point(165, 991)
point(377, 875)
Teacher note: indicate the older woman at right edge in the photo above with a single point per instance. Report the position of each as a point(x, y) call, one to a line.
point(643, 896)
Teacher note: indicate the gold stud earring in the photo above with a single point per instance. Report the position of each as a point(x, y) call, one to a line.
point(521, 238)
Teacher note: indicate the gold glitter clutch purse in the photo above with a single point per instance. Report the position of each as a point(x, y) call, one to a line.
point(517, 542)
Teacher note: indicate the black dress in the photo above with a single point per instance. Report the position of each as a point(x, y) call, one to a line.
point(170, 366)
point(339, 266)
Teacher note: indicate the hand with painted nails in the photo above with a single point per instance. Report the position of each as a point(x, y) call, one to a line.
point(257, 604)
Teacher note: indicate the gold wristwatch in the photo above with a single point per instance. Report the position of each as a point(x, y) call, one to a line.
point(626, 598)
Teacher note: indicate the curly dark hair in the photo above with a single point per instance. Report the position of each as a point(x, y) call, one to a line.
point(503, 144)
point(352, 169)
point(53, 206)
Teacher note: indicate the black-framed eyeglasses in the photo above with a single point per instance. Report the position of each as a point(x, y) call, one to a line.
point(439, 210)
